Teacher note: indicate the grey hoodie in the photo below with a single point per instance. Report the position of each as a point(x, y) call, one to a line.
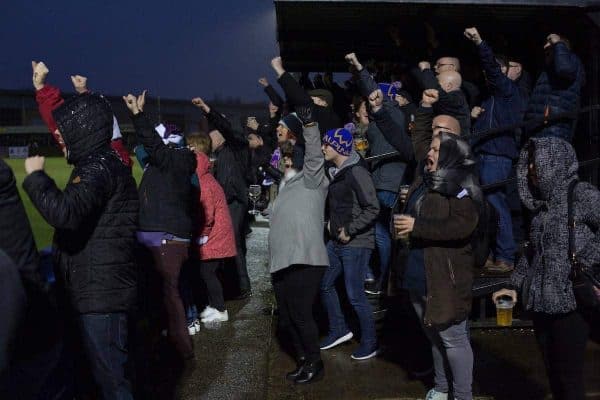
point(550, 290)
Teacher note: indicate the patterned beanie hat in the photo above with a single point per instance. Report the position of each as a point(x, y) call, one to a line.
point(340, 139)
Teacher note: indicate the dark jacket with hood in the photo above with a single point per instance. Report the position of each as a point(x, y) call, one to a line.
point(443, 227)
point(16, 237)
point(547, 273)
point(96, 215)
point(389, 173)
point(505, 106)
point(232, 167)
point(352, 202)
point(166, 197)
point(296, 95)
point(558, 88)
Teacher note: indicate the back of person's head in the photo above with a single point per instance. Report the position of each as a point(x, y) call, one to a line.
point(85, 122)
point(450, 81)
point(200, 141)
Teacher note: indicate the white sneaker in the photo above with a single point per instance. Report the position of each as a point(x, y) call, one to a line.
point(207, 311)
point(216, 316)
point(435, 395)
point(191, 329)
point(197, 325)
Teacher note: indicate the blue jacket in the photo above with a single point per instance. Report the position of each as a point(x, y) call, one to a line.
point(559, 88)
point(504, 107)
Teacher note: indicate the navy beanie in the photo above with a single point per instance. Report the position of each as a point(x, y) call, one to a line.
point(292, 122)
point(340, 139)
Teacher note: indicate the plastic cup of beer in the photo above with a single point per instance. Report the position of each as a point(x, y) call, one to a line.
point(405, 238)
point(504, 311)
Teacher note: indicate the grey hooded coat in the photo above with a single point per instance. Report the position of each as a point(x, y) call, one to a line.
point(298, 214)
point(547, 276)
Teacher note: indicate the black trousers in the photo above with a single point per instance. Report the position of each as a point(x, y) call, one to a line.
point(214, 290)
point(239, 219)
point(562, 339)
point(296, 289)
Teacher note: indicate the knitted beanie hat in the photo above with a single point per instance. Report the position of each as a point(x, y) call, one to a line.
point(292, 122)
point(340, 139)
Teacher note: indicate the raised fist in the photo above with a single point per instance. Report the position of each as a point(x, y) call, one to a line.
point(264, 82)
point(131, 103)
point(141, 101)
point(198, 102)
point(353, 60)
point(423, 65)
point(40, 72)
point(552, 39)
point(277, 65)
point(473, 35)
point(430, 96)
point(79, 83)
point(305, 113)
point(376, 100)
point(35, 163)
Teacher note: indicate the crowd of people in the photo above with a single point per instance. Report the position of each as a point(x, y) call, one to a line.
point(359, 182)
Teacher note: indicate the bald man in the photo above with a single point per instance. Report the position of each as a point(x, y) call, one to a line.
point(451, 100)
point(445, 123)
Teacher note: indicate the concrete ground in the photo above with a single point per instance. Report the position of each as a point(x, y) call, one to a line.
point(243, 358)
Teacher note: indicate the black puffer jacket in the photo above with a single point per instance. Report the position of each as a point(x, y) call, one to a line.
point(558, 88)
point(95, 216)
point(16, 238)
point(165, 191)
point(232, 167)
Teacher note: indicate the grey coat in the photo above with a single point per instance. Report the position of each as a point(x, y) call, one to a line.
point(547, 277)
point(297, 217)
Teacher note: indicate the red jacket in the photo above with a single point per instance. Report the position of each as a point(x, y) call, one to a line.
point(49, 99)
point(215, 226)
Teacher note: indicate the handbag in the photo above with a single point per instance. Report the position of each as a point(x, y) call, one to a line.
point(585, 284)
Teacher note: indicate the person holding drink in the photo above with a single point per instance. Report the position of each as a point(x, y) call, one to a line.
point(547, 174)
point(439, 217)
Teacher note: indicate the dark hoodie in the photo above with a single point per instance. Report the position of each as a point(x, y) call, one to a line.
point(550, 289)
point(95, 216)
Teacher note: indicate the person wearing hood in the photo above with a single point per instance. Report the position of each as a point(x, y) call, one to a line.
point(353, 211)
point(326, 118)
point(387, 174)
point(546, 171)
point(557, 90)
point(95, 218)
point(49, 99)
point(438, 267)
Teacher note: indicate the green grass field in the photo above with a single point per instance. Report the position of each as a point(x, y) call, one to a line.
point(59, 170)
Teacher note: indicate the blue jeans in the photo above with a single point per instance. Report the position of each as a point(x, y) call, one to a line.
point(352, 263)
point(104, 338)
point(493, 169)
point(383, 240)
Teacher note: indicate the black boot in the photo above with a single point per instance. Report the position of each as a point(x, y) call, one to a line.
point(299, 367)
point(312, 372)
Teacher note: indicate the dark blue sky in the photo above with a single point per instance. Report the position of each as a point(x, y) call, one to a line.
point(175, 49)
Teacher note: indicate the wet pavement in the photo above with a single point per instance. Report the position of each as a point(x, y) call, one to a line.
point(244, 359)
